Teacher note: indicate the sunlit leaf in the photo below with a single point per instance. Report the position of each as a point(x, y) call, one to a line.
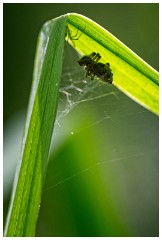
point(131, 74)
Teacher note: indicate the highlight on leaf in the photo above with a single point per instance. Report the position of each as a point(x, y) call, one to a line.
point(131, 74)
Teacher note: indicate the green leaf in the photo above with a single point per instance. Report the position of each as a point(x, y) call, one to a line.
point(130, 73)
point(41, 114)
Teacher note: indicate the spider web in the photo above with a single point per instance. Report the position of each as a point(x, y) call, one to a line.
point(75, 91)
point(114, 110)
point(126, 165)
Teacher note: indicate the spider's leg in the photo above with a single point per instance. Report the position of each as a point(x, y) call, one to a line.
point(92, 55)
point(75, 36)
point(87, 71)
point(92, 76)
point(97, 57)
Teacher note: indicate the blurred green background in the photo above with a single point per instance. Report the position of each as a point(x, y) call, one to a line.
point(102, 178)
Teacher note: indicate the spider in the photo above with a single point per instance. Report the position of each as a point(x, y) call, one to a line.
point(87, 60)
point(94, 68)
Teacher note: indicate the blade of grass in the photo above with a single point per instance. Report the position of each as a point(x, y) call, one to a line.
point(28, 184)
point(131, 74)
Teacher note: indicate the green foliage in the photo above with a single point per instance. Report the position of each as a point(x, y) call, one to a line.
point(131, 74)
point(42, 108)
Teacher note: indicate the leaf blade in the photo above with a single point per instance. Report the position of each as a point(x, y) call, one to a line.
point(132, 75)
point(26, 196)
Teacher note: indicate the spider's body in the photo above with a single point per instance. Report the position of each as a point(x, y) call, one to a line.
point(102, 71)
point(94, 68)
point(87, 60)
